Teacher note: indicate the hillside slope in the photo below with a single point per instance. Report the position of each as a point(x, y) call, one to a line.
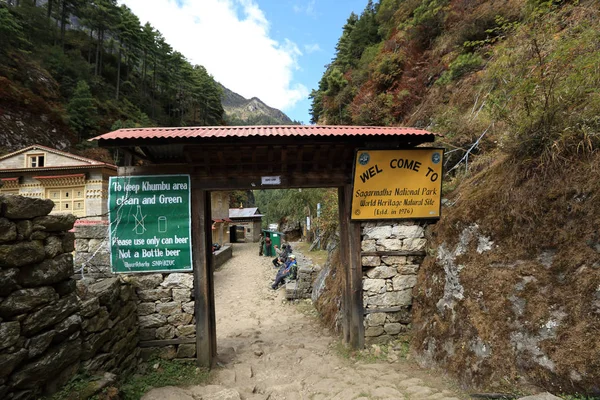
point(241, 111)
point(510, 292)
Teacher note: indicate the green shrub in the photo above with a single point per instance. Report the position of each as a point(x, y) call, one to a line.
point(463, 64)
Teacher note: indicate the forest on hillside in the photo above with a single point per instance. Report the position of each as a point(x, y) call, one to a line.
point(92, 67)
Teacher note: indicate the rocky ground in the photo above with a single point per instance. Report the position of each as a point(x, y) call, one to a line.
point(272, 349)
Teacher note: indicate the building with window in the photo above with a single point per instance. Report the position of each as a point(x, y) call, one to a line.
point(75, 184)
point(246, 220)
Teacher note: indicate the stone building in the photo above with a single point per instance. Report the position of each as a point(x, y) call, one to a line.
point(75, 184)
point(248, 218)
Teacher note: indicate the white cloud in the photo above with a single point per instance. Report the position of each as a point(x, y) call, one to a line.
point(231, 39)
point(311, 48)
point(308, 9)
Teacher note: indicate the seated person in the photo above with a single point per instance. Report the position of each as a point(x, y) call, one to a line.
point(288, 270)
point(281, 256)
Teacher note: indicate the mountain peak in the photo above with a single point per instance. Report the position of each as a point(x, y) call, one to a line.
point(241, 111)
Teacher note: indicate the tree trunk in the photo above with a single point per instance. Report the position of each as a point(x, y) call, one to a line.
point(118, 73)
point(97, 60)
point(63, 21)
point(90, 47)
point(49, 14)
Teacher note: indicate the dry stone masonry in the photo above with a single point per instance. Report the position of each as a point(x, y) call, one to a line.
point(392, 255)
point(50, 326)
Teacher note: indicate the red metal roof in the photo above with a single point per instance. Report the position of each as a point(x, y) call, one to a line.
point(59, 176)
point(260, 131)
point(9, 179)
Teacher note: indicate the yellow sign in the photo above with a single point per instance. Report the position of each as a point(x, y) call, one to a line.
point(397, 184)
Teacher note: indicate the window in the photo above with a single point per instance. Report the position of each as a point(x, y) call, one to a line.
point(35, 160)
point(68, 200)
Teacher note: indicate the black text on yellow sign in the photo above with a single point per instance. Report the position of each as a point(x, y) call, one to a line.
point(397, 184)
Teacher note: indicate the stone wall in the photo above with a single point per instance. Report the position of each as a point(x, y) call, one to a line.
point(92, 253)
point(47, 332)
point(302, 287)
point(165, 311)
point(391, 256)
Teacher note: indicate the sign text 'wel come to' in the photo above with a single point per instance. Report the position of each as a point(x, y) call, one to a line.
point(397, 184)
point(150, 224)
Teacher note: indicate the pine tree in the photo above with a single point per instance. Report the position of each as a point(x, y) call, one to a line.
point(82, 111)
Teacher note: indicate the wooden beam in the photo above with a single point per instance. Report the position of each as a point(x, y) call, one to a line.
point(166, 342)
point(158, 169)
point(384, 310)
point(204, 303)
point(393, 253)
point(357, 326)
point(343, 208)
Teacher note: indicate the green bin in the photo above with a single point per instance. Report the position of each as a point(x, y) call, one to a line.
point(276, 239)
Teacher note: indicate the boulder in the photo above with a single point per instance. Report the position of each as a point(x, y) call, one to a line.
point(21, 207)
point(56, 223)
point(144, 281)
point(8, 281)
point(53, 246)
point(25, 300)
point(9, 333)
point(8, 362)
point(48, 272)
point(8, 230)
point(179, 280)
point(46, 367)
point(22, 253)
point(24, 229)
point(50, 315)
point(91, 231)
point(40, 343)
point(186, 350)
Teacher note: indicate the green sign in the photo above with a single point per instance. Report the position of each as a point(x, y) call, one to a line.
point(150, 224)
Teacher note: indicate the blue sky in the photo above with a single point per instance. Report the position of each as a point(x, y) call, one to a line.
point(275, 50)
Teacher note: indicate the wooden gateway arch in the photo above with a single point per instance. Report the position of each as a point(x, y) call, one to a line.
point(260, 157)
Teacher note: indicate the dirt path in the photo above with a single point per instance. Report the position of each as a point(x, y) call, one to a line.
point(268, 349)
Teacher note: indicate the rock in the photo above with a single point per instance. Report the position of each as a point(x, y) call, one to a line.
point(8, 362)
point(9, 333)
point(50, 315)
point(414, 244)
point(65, 287)
point(188, 308)
point(22, 253)
point(186, 331)
point(390, 244)
point(186, 350)
point(154, 294)
point(147, 334)
point(98, 245)
point(370, 261)
point(91, 231)
point(409, 269)
point(24, 229)
point(170, 308)
point(67, 327)
point(541, 396)
point(8, 231)
point(40, 343)
point(56, 222)
point(408, 231)
point(25, 300)
point(46, 367)
point(146, 308)
point(68, 242)
point(144, 281)
point(402, 282)
point(168, 393)
point(182, 295)
point(93, 343)
point(90, 307)
point(377, 232)
point(393, 260)
point(21, 207)
point(8, 281)
point(152, 321)
point(107, 291)
point(165, 332)
point(373, 331)
point(179, 280)
point(53, 246)
point(97, 323)
point(47, 272)
point(375, 319)
point(393, 328)
point(81, 245)
point(391, 299)
point(374, 286)
point(368, 245)
point(382, 272)
point(180, 319)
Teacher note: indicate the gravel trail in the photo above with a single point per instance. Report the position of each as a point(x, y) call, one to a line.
point(269, 349)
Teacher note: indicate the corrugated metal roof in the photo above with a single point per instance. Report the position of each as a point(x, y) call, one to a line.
point(244, 212)
point(259, 131)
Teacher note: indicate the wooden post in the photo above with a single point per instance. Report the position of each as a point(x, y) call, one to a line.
point(204, 306)
point(354, 330)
